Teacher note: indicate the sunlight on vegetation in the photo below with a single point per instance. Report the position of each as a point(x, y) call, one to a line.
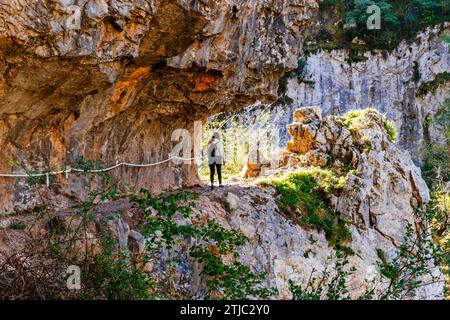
point(308, 190)
point(355, 120)
point(112, 272)
point(242, 133)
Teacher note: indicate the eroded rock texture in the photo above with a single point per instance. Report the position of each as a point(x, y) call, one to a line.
point(378, 200)
point(381, 196)
point(111, 80)
point(384, 190)
point(391, 82)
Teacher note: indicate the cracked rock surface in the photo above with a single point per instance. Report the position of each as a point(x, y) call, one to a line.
point(111, 80)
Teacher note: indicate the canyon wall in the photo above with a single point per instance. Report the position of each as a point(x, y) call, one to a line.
point(111, 80)
point(379, 197)
point(392, 82)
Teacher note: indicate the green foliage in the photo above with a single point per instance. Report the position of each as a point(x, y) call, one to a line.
point(17, 225)
point(436, 155)
point(400, 19)
point(391, 129)
point(439, 207)
point(232, 281)
point(159, 212)
point(308, 190)
point(432, 86)
point(41, 180)
point(108, 275)
point(355, 120)
point(240, 132)
point(436, 172)
point(400, 276)
point(107, 272)
point(446, 38)
point(412, 262)
point(436, 162)
point(163, 227)
point(168, 221)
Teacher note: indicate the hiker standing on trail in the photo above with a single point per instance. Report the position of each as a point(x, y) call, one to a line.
point(215, 158)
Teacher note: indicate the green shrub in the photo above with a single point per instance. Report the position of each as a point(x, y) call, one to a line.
point(400, 277)
point(412, 262)
point(225, 280)
point(231, 281)
point(446, 38)
point(390, 128)
point(355, 120)
point(308, 191)
point(17, 225)
point(108, 275)
point(399, 20)
point(436, 173)
point(432, 86)
point(436, 155)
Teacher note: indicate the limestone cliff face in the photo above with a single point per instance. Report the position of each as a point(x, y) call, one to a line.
point(378, 199)
point(381, 196)
point(111, 80)
point(390, 82)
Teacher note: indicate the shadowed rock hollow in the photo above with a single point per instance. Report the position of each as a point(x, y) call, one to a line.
point(111, 80)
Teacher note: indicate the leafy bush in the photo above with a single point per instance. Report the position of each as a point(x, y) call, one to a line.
point(414, 260)
point(436, 172)
point(432, 86)
point(231, 281)
point(436, 155)
point(399, 20)
point(17, 225)
point(225, 280)
point(400, 278)
point(446, 38)
point(109, 272)
point(355, 120)
point(308, 191)
point(391, 130)
point(108, 275)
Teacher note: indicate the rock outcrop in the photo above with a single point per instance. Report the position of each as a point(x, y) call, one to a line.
point(379, 198)
point(111, 80)
point(391, 82)
point(374, 196)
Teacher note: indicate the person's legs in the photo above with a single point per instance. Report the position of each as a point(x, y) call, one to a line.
point(219, 173)
point(212, 168)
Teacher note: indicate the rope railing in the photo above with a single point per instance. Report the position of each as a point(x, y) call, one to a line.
point(70, 170)
point(125, 164)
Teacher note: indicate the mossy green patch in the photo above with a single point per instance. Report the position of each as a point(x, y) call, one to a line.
point(17, 225)
point(308, 191)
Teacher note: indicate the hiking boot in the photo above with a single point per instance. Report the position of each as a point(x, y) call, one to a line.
point(221, 186)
